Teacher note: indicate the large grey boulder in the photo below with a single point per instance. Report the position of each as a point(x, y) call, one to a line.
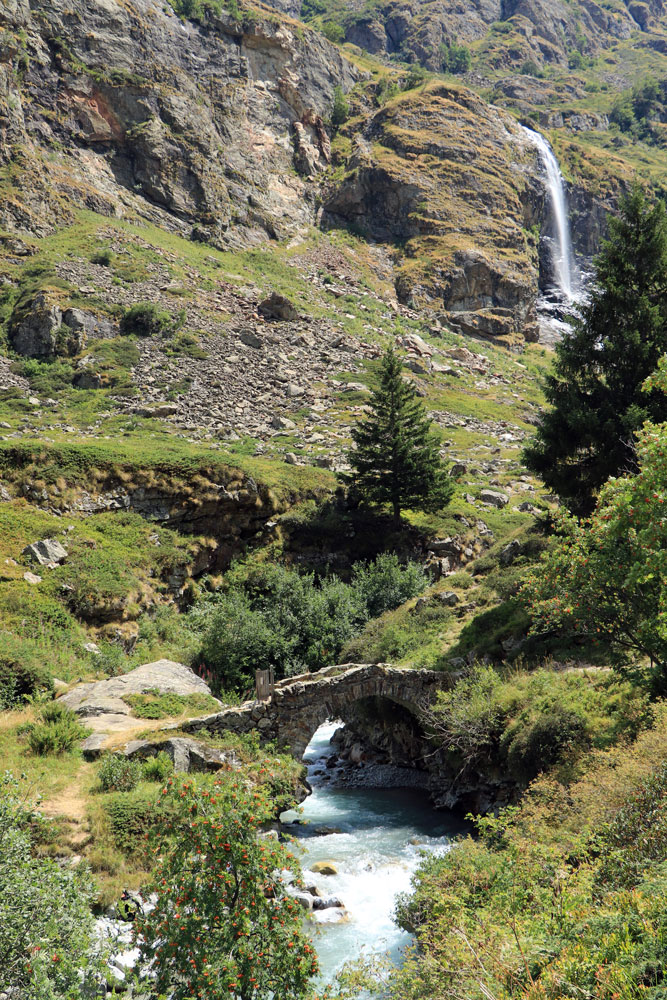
point(42, 332)
point(186, 754)
point(46, 552)
point(105, 697)
point(279, 307)
point(494, 498)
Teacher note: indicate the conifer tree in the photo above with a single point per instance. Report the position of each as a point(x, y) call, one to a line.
point(597, 404)
point(396, 458)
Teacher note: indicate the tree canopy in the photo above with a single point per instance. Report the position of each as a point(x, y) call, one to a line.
point(224, 925)
point(605, 577)
point(595, 392)
point(396, 458)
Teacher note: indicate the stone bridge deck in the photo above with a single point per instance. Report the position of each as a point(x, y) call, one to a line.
point(300, 704)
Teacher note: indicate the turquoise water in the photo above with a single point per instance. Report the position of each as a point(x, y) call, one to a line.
point(381, 835)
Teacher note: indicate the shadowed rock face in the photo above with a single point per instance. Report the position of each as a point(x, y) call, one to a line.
point(300, 705)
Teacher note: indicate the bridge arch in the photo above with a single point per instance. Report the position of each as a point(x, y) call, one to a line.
point(299, 705)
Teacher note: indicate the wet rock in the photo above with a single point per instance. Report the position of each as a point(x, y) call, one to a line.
point(324, 868)
point(327, 903)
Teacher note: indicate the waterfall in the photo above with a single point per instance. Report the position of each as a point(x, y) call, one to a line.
point(562, 255)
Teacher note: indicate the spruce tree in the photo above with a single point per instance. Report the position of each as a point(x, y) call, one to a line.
point(396, 458)
point(595, 391)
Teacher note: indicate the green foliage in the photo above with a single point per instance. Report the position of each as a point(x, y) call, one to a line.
point(281, 618)
point(532, 721)
point(58, 732)
point(530, 68)
point(118, 773)
point(563, 895)
point(455, 58)
point(223, 922)
point(132, 816)
point(154, 705)
point(595, 394)
point(396, 458)
point(335, 32)
point(340, 109)
point(21, 675)
point(604, 577)
point(417, 75)
point(157, 768)
point(105, 257)
point(386, 89)
point(145, 319)
point(642, 111)
point(385, 583)
point(311, 8)
point(47, 378)
point(46, 940)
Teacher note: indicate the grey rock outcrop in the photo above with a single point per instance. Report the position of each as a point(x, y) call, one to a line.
point(130, 92)
point(186, 755)
point(105, 697)
point(41, 332)
point(46, 552)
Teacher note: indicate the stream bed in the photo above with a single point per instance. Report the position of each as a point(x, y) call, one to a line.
point(376, 839)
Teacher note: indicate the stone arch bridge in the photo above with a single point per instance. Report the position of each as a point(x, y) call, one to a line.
point(299, 705)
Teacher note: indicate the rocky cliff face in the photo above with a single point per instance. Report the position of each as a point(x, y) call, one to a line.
point(218, 129)
point(191, 125)
point(453, 180)
point(543, 31)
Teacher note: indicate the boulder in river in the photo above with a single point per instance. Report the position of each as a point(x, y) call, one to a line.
point(324, 868)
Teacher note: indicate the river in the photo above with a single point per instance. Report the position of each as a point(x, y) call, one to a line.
point(379, 839)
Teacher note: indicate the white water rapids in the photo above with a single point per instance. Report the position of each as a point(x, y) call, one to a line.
point(380, 837)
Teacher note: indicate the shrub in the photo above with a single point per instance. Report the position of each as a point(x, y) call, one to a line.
point(455, 58)
point(119, 774)
point(20, 677)
point(536, 747)
point(278, 617)
point(46, 950)
point(158, 768)
point(132, 816)
point(340, 110)
point(58, 732)
point(160, 706)
point(385, 584)
point(335, 33)
point(240, 930)
point(104, 257)
point(145, 319)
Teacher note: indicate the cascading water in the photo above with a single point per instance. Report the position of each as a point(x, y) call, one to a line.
point(562, 256)
point(376, 837)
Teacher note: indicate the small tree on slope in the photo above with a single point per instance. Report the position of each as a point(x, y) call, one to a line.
point(396, 458)
point(597, 404)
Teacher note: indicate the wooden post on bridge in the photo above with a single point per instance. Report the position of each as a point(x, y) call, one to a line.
point(264, 683)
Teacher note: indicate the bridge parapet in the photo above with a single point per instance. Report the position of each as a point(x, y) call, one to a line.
point(300, 704)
